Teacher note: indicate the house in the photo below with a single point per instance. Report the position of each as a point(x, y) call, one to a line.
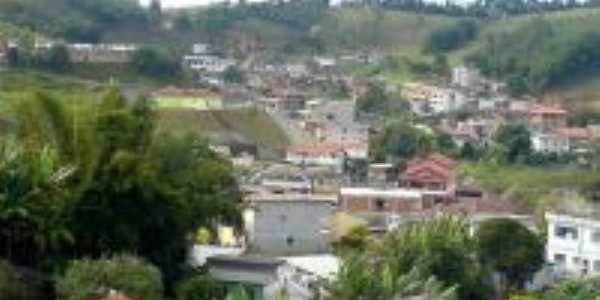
point(283, 101)
point(200, 49)
point(432, 99)
point(172, 97)
point(433, 172)
point(283, 179)
point(370, 201)
point(381, 175)
point(325, 64)
point(288, 224)
point(207, 63)
point(262, 278)
point(296, 71)
point(464, 77)
point(298, 277)
point(326, 153)
point(101, 53)
point(474, 131)
point(549, 143)
point(544, 118)
point(580, 138)
point(573, 242)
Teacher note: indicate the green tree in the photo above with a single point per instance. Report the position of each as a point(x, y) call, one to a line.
point(153, 63)
point(575, 289)
point(444, 143)
point(233, 75)
point(511, 249)
point(441, 66)
point(514, 141)
point(373, 102)
point(442, 248)
point(200, 287)
point(58, 59)
point(10, 286)
point(399, 140)
point(127, 274)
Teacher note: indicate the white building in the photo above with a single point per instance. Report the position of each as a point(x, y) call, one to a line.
point(465, 77)
point(207, 63)
point(573, 244)
point(326, 153)
point(549, 143)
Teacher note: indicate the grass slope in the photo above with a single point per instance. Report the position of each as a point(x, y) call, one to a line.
point(535, 186)
point(252, 124)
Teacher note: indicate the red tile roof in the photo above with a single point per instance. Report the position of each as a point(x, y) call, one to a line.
point(539, 109)
point(436, 163)
point(578, 133)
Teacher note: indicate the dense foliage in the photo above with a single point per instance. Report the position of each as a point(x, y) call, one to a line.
point(77, 20)
point(452, 37)
point(90, 180)
point(542, 54)
point(511, 249)
point(127, 274)
point(439, 251)
point(153, 63)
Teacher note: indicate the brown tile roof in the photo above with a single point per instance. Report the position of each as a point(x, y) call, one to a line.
point(579, 133)
point(539, 109)
point(324, 147)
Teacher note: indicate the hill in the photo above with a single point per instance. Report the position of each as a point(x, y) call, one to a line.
point(552, 55)
point(81, 20)
point(249, 125)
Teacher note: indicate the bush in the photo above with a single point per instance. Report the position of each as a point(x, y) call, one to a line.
point(127, 274)
point(452, 37)
point(10, 287)
point(201, 287)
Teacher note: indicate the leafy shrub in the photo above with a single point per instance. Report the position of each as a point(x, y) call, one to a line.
point(127, 274)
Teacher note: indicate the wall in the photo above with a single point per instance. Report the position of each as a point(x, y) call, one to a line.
point(290, 227)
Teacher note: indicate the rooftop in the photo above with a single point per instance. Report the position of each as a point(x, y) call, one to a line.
point(267, 197)
point(381, 193)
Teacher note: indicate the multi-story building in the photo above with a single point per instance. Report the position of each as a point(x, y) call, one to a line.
point(543, 118)
point(573, 243)
point(288, 224)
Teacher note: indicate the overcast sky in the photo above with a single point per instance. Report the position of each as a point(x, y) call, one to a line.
point(184, 3)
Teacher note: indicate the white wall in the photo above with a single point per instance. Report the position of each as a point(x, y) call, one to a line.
point(582, 245)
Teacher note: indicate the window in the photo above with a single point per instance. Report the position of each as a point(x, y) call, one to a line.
point(289, 241)
point(283, 218)
point(379, 205)
point(564, 232)
point(560, 259)
point(596, 236)
point(597, 266)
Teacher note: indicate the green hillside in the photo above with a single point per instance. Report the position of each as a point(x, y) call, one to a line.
point(554, 53)
point(253, 125)
point(71, 19)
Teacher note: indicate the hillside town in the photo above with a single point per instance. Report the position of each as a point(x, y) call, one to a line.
point(258, 176)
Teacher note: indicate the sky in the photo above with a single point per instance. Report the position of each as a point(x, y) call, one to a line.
point(186, 3)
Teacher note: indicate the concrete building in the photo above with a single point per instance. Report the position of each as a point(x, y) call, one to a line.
point(573, 243)
point(101, 53)
point(549, 143)
point(288, 224)
point(543, 118)
point(369, 201)
point(261, 278)
point(207, 63)
point(326, 153)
